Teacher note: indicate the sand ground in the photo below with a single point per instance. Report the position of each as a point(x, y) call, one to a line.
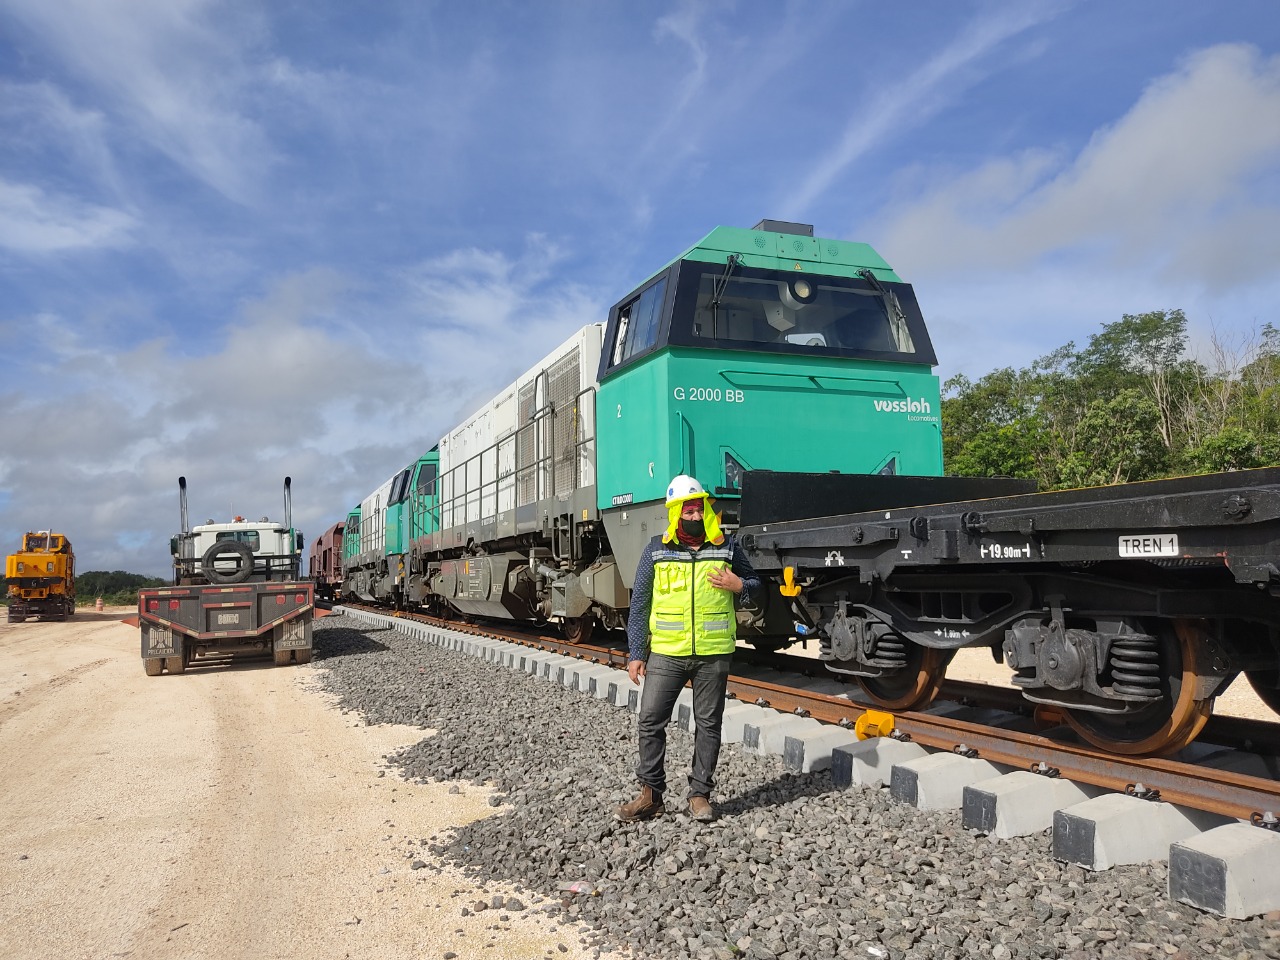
point(228, 812)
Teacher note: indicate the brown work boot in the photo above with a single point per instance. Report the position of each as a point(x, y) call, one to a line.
point(644, 807)
point(700, 809)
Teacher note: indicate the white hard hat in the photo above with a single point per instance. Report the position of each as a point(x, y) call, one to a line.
point(682, 488)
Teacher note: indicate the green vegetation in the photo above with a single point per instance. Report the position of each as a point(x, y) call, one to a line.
point(116, 588)
point(1131, 405)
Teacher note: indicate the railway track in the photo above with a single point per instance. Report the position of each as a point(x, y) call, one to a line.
point(995, 725)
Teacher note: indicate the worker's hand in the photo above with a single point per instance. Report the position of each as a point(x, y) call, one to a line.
point(635, 670)
point(725, 579)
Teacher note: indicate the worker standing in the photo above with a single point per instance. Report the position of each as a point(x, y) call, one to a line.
point(683, 627)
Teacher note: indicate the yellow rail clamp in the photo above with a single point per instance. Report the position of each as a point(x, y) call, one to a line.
point(873, 723)
point(789, 586)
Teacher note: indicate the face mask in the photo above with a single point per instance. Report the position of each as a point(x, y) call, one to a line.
point(692, 528)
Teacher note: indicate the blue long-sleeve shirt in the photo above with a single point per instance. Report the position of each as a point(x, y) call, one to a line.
point(642, 595)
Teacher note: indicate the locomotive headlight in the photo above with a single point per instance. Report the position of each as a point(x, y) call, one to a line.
point(797, 293)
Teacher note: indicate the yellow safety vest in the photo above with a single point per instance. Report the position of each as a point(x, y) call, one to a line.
point(688, 615)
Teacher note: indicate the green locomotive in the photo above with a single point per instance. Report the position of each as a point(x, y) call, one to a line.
point(760, 349)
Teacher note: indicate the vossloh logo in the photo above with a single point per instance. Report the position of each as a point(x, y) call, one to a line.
point(914, 409)
point(902, 406)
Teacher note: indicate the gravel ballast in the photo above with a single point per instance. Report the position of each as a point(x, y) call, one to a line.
point(793, 869)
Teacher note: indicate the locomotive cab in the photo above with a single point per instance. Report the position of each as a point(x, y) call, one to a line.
point(760, 349)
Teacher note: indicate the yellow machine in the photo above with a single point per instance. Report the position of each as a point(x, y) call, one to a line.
point(42, 578)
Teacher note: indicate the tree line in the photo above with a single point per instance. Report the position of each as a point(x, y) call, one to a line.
point(116, 588)
point(1130, 405)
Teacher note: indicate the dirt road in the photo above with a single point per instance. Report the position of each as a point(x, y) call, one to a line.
point(229, 812)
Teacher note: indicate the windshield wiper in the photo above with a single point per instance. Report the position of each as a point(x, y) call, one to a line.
point(717, 292)
point(893, 309)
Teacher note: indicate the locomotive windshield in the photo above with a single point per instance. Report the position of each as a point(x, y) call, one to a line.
point(801, 311)
point(734, 307)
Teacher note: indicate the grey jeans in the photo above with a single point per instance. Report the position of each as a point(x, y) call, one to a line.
point(664, 678)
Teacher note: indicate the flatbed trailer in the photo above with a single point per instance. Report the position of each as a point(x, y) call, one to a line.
point(201, 623)
point(1126, 608)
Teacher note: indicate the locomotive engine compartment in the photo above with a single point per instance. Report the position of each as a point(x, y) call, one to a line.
point(792, 375)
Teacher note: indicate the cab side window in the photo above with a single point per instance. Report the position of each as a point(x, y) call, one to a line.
point(638, 323)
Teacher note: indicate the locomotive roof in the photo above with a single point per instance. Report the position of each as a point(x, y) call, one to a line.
point(787, 251)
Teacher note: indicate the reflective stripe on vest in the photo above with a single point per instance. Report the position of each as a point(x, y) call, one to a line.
point(688, 615)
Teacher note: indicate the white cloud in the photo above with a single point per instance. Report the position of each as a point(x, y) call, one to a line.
point(309, 380)
point(41, 117)
point(907, 101)
point(178, 71)
point(487, 318)
point(685, 26)
point(1169, 185)
point(279, 397)
point(35, 222)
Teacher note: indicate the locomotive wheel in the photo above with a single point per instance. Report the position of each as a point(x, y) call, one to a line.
point(1264, 685)
point(579, 629)
point(1168, 725)
point(915, 685)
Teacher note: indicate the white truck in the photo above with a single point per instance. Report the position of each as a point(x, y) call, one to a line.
point(237, 591)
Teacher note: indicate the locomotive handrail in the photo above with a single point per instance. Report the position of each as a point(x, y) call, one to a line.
point(541, 469)
point(686, 466)
point(753, 378)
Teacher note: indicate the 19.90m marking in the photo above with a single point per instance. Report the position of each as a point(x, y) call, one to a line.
point(710, 394)
point(1000, 551)
point(1149, 545)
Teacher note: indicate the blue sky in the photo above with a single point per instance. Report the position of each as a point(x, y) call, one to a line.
point(239, 241)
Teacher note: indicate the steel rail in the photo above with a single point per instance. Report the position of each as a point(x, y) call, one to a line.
point(1187, 784)
point(1212, 790)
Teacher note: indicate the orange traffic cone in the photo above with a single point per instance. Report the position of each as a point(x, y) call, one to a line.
point(97, 604)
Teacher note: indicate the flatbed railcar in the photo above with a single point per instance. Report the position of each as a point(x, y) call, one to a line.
point(1128, 607)
point(767, 350)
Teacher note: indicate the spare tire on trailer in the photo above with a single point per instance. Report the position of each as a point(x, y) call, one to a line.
point(226, 548)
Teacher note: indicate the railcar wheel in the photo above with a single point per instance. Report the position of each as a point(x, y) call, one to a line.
point(579, 629)
point(1171, 723)
point(915, 685)
point(1264, 685)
